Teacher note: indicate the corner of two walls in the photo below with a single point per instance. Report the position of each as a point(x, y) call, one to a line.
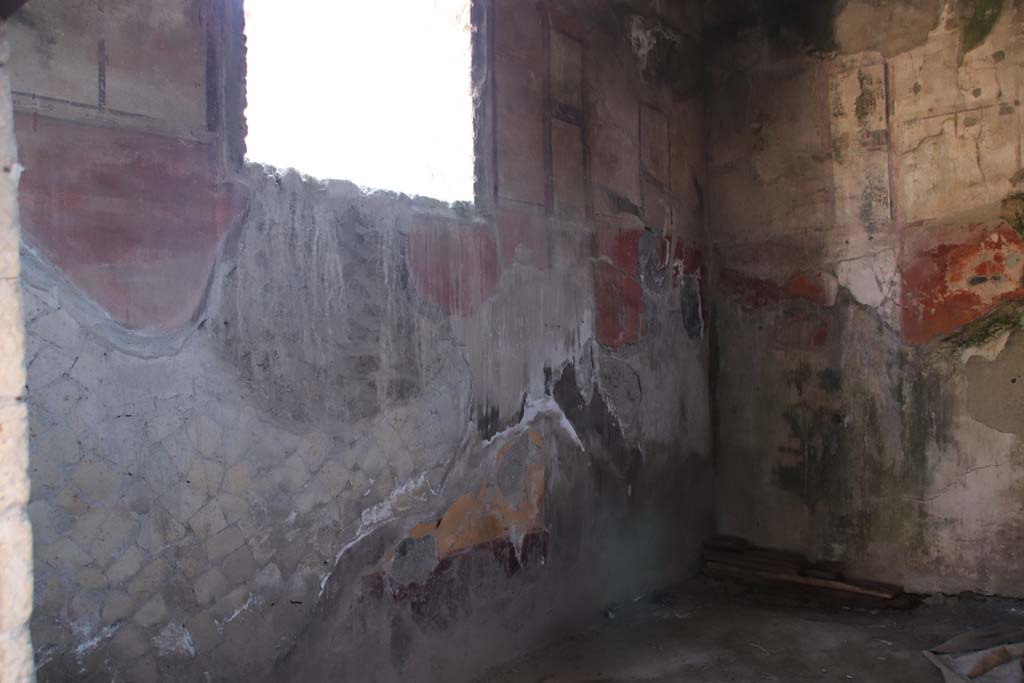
point(285, 426)
point(867, 291)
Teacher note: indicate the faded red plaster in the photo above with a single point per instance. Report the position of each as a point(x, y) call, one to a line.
point(820, 336)
point(754, 292)
point(816, 287)
point(949, 285)
point(133, 219)
point(685, 260)
point(454, 266)
point(618, 295)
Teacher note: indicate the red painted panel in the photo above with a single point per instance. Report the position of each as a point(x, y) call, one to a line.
point(619, 297)
point(454, 266)
point(948, 285)
point(133, 219)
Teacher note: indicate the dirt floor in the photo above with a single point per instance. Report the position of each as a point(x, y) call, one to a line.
point(703, 631)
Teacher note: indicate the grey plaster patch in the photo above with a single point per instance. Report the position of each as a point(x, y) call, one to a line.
point(210, 587)
point(995, 388)
point(154, 611)
point(414, 560)
point(222, 544)
point(174, 640)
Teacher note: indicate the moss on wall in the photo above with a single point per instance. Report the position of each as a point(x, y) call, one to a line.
point(1007, 317)
point(1012, 211)
point(979, 17)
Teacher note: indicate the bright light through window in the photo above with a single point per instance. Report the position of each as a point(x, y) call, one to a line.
point(373, 91)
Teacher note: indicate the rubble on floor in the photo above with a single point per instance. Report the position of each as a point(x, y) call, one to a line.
point(988, 655)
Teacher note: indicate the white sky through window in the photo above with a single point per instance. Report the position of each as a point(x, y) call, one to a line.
point(372, 91)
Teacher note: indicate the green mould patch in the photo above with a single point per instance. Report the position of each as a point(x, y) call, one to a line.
point(1008, 316)
point(978, 18)
point(815, 467)
point(920, 392)
point(1012, 211)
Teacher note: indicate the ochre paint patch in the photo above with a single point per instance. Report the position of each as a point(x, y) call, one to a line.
point(485, 516)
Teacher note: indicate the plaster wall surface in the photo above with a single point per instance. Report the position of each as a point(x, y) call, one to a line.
point(867, 313)
point(381, 438)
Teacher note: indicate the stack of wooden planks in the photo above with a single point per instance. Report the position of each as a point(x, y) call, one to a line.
point(734, 559)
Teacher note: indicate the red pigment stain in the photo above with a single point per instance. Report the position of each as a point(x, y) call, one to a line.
point(685, 260)
point(820, 337)
point(454, 266)
point(950, 285)
point(752, 292)
point(755, 292)
point(133, 219)
point(813, 287)
point(618, 295)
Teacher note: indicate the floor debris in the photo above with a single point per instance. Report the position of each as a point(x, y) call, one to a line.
point(988, 655)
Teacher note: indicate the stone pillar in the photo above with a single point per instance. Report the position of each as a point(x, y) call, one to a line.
point(15, 533)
